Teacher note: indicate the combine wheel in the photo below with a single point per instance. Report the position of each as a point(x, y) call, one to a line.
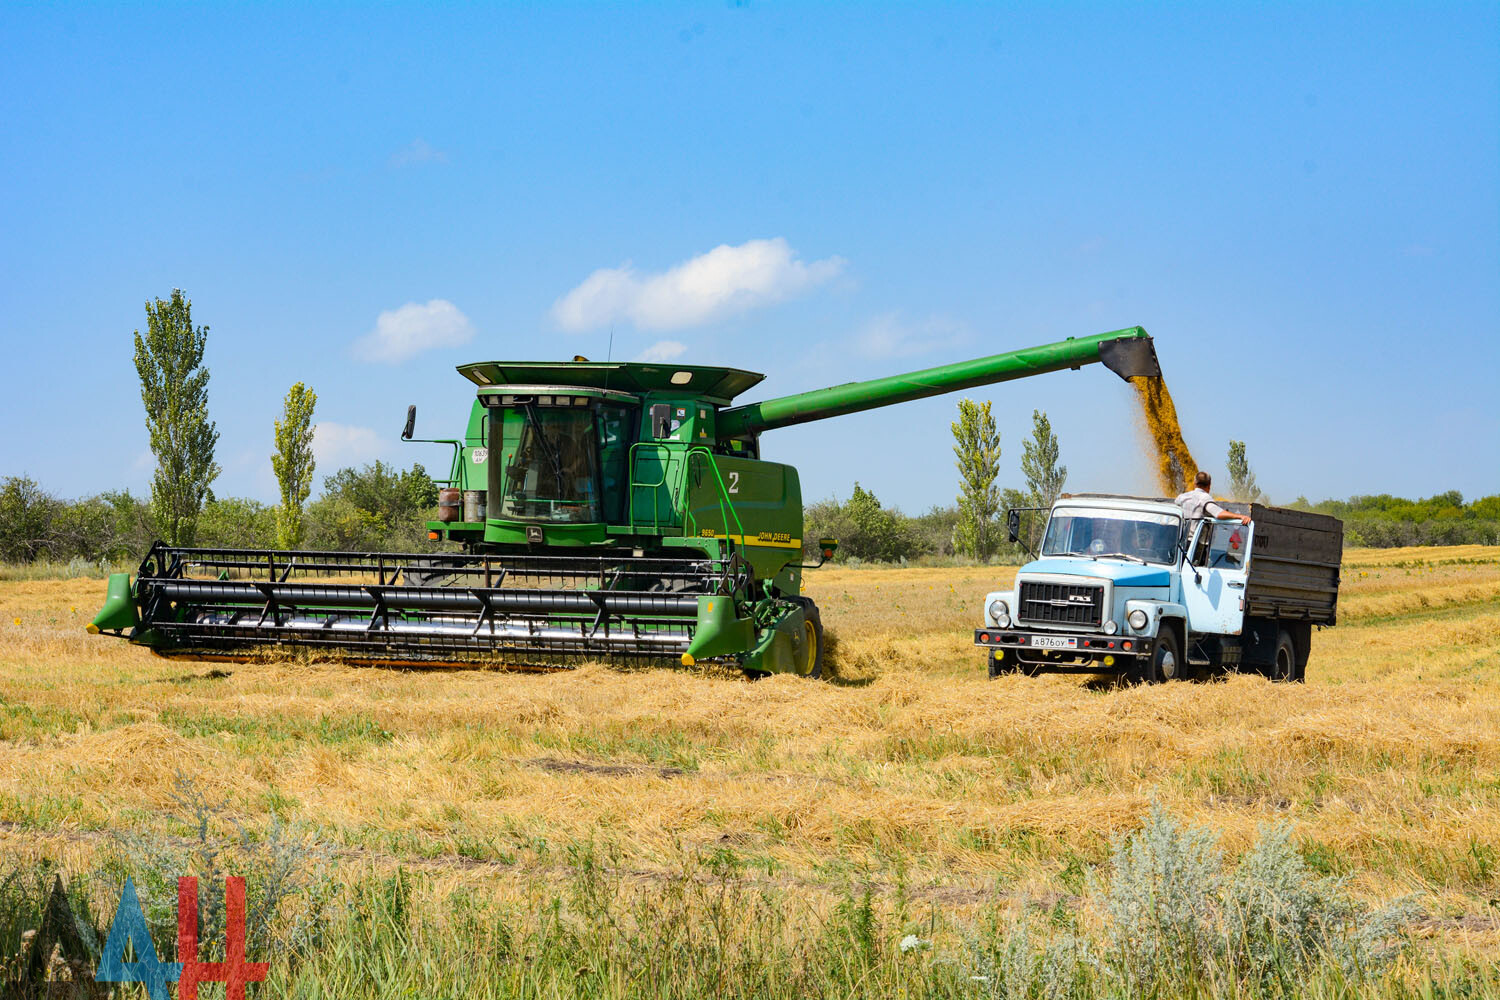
point(434, 572)
point(1284, 667)
point(809, 656)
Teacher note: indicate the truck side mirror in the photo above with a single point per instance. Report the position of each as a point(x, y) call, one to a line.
point(411, 422)
point(1013, 525)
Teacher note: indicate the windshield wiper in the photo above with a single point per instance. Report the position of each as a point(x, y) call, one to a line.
point(546, 443)
point(1122, 555)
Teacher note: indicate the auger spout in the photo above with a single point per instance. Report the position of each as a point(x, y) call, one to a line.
point(1128, 353)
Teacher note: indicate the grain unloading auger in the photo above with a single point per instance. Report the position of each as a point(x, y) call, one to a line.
point(602, 510)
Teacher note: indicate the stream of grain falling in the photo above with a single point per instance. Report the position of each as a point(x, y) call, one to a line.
point(1175, 468)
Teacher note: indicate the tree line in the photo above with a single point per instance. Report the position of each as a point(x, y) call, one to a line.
point(379, 507)
point(1385, 521)
point(974, 527)
point(368, 508)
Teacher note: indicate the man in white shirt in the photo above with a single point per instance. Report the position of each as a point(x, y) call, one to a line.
point(1198, 502)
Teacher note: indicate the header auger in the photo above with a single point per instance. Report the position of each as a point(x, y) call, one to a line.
point(600, 510)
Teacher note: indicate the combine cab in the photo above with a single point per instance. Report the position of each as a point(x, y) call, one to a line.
point(599, 511)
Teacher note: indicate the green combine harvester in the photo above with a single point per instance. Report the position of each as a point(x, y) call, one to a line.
point(601, 511)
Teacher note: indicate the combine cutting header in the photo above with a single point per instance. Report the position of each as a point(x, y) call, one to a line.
point(602, 510)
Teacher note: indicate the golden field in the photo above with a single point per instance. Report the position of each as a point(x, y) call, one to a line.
point(911, 769)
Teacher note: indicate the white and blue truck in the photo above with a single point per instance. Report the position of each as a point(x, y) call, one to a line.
point(1129, 585)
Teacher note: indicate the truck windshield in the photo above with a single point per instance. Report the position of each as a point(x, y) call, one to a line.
point(1121, 534)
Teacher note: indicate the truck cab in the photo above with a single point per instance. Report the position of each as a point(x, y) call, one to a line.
point(1129, 585)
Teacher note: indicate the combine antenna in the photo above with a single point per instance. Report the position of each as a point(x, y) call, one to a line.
point(609, 354)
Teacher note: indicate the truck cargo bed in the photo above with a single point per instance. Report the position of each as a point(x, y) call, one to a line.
point(1294, 564)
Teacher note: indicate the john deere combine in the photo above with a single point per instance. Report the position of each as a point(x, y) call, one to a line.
point(599, 511)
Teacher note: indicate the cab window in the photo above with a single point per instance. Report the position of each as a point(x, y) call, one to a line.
point(1222, 545)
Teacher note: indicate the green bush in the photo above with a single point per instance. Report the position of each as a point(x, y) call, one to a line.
point(1386, 521)
point(27, 513)
point(374, 508)
point(236, 523)
point(866, 531)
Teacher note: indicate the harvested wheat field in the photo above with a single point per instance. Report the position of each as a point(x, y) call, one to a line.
point(910, 772)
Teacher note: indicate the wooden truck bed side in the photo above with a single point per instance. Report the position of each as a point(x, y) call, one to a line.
point(1294, 564)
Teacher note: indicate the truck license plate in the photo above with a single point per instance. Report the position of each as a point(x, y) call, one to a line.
point(1053, 642)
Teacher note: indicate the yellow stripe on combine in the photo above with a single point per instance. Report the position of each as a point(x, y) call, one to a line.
point(767, 540)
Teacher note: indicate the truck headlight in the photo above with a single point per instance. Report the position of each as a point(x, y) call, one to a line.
point(1138, 619)
point(1110, 627)
point(1000, 614)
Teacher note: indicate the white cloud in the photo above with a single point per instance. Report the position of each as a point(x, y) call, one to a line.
point(402, 333)
point(338, 445)
point(662, 350)
point(418, 151)
point(889, 336)
point(724, 281)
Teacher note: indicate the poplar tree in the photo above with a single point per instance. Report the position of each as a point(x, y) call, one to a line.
point(174, 389)
point(1044, 477)
point(293, 463)
point(976, 443)
point(1242, 485)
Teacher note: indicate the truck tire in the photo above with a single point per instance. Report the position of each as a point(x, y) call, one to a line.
point(810, 663)
point(1164, 663)
point(1284, 665)
point(999, 668)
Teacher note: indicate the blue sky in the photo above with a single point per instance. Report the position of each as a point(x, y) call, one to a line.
point(1302, 205)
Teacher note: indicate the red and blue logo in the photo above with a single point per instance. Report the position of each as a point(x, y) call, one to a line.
point(129, 926)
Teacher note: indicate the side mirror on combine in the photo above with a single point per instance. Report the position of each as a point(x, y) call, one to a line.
point(411, 422)
point(1013, 525)
point(661, 421)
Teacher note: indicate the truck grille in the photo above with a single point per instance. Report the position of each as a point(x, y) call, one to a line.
point(1062, 603)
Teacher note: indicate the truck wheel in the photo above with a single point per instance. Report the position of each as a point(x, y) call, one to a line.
point(809, 660)
point(1164, 664)
point(1284, 666)
point(999, 667)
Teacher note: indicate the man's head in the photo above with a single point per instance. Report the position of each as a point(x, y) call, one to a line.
point(1203, 481)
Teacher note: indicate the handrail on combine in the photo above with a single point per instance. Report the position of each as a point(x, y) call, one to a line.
point(726, 505)
point(666, 464)
point(455, 470)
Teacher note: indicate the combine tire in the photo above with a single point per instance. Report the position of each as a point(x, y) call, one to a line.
point(809, 661)
point(1284, 666)
point(1165, 663)
point(435, 572)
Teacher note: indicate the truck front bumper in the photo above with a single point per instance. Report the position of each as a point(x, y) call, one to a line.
point(1087, 652)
